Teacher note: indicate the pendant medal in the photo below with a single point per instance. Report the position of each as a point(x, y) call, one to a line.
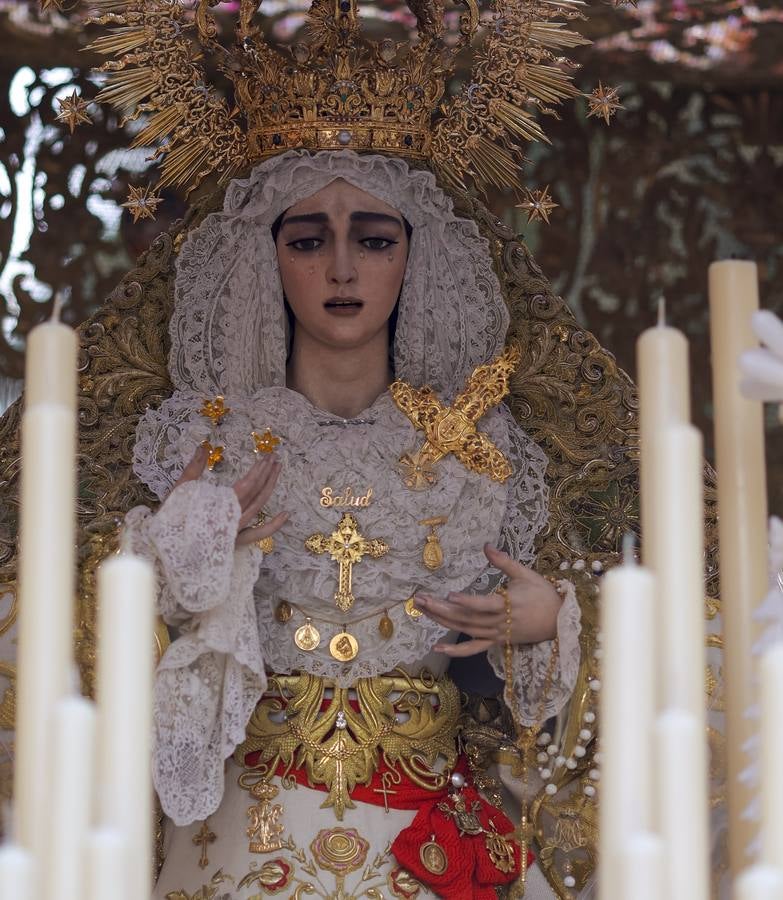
point(344, 647)
point(307, 637)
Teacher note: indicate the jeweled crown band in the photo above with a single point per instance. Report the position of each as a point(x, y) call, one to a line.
point(412, 143)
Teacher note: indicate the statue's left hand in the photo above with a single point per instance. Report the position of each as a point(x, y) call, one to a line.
point(534, 604)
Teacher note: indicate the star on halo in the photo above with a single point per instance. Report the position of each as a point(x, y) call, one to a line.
point(618, 3)
point(72, 111)
point(604, 102)
point(538, 205)
point(142, 203)
point(46, 5)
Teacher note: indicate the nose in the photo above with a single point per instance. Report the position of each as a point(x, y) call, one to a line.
point(342, 266)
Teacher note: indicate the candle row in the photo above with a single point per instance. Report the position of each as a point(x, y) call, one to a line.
point(82, 815)
point(655, 799)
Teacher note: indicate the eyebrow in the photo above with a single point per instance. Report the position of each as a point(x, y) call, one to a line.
point(321, 218)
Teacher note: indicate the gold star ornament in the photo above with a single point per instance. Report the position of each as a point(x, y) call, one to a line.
point(618, 3)
point(266, 442)
point(47, 5)
point(72, 111)
point(538, 205)
point(603, 102)
point(142, 203)
point(215, 409)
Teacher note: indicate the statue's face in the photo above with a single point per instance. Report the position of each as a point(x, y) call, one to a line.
point(342, 256)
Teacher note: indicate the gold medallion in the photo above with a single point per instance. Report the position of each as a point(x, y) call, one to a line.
point(385, 626)
point(433, 857)
point(283, 612)
point(344, 647)
point(307, 637)
point(432, 555)
point(266, 545)
point(410, 607)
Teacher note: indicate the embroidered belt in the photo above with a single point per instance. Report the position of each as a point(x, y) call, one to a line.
point(390, 725)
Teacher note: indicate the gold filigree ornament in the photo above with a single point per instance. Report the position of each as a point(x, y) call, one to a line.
point(265, 829)
point(339, 89)
point(340, 741)
point(347, 547)
point(452, 429)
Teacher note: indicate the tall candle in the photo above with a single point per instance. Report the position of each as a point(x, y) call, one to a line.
point(124, 691)
point(771, 787)
point(759, 883)
point(50, 374)
point(71, 798)
point(17, 873)
point(680, 589)
point(641, 861)
point(46, 569)
point(106, 865)
point(664, 398)
point(627, 702)
point(681, 792)
point(742, 521)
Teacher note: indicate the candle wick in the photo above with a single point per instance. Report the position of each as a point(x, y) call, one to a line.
point(125, 541)
point(57, 306)
point(661, 311)
point(629, 545)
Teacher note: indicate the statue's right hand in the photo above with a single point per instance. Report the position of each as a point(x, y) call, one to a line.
point(253, 490)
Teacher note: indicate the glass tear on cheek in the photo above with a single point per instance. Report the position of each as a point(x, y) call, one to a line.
point(311, 270)
point(390, 257)
point(362, 254)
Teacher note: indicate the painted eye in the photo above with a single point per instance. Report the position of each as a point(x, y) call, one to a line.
point(306, 244)
point(377, 243)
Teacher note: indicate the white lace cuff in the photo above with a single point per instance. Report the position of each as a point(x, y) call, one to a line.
point(212, 676)
point(538, 697)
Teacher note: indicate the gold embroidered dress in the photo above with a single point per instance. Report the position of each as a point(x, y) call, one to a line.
point(262, 795)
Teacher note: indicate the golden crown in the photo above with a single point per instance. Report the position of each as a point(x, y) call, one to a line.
point(338, 89)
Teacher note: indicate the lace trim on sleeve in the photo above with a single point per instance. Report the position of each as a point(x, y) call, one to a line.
point(535, 698)
point(212, 676)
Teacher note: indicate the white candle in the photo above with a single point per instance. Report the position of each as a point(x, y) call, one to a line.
point(759, 883)
point(681, 793)
point(664, 398)
point(16, 873)
point(106, 865)
point(71, 798)
point(124, 692)
point(627, 702)
point(46, 607)
point(771, 787)
point(680, 590)
point(50, 374)
point(641, 861)
point(742, 522)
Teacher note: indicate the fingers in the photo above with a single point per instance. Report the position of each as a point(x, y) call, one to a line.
point(259, 532)
point(466, 648)
point(195, 468)
point(505, 563)
point(255, 488)
point(479, 617)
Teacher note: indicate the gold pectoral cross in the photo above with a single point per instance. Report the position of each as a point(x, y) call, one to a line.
point(452, 429)
point(347, 547)
point(203, 839)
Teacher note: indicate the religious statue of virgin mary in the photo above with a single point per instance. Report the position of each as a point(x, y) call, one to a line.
point(374, 461)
